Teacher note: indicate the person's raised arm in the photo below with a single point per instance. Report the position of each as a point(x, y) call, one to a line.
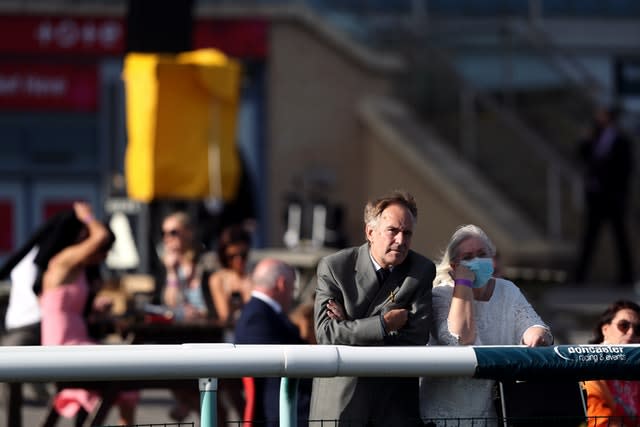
point(461, 319)
point(78, 254)
point(172, 290)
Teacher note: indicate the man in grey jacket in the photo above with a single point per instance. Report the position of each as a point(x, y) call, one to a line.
point(378, 294)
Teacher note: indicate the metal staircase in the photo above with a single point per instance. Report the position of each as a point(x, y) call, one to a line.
point(488, 130)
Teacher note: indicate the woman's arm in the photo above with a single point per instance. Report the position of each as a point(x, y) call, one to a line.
point(537, 336)
point(461, 319)
point(220, 299)
point(172, 288)
point(171, 294)
point(536, 332)
point(78, 254)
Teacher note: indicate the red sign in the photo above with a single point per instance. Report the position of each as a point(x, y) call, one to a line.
point(246, 38)
point(237, 38)
point(36, 86)
point(72, 34)
point(7, 226)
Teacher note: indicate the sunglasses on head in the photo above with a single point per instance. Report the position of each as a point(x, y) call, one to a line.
point(173, 233)
point(624, 325)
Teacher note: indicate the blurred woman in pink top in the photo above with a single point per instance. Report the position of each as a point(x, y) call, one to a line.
point(65, 292)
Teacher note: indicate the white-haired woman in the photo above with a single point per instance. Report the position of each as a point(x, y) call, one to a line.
point(472, 307)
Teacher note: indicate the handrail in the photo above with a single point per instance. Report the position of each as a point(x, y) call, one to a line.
point(532, 140)
point(188, 361)
point(537, 38)
point(169, 362)
point(208, 362)
point(557, 166)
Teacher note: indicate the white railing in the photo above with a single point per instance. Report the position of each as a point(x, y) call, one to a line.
point(207, 362)
point(167, 362)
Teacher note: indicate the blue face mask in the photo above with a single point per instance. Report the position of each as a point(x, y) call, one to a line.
point(482, 268)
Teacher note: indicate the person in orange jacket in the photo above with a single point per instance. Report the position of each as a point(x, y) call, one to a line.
point(615, 403)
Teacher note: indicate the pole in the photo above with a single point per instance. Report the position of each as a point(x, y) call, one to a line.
point(208, 402)
point(288, 402)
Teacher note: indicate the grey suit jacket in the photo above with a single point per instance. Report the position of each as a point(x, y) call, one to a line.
point(348, 276)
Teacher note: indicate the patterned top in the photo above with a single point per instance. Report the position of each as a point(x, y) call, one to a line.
point(502, 320)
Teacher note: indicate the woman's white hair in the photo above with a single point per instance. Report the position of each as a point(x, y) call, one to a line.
point(464, 232)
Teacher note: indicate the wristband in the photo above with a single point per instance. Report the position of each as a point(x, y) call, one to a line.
point(464, 282)
point(173, 283)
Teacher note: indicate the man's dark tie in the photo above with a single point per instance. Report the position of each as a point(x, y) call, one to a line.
point(383, 274)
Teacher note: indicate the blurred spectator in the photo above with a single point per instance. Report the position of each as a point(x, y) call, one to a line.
point(66, 289)
point(264, 321)
point(182, 292)
point(230, 286)
point(25, 268)
point(469, 309)
point(184, 272)
point(616, 403)
point(22, 327)
point(228, 289)
point(607, 156)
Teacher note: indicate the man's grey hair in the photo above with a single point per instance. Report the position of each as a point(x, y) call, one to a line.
point(374, 208)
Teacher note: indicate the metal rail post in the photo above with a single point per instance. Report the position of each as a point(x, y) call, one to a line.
point(288, 402)
point(208, 402)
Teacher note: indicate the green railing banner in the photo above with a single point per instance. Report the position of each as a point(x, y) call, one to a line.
point(559, 362)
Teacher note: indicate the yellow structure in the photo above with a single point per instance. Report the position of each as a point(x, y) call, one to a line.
point(181, 123)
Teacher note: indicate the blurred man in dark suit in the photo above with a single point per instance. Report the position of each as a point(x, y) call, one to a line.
point(264, 321)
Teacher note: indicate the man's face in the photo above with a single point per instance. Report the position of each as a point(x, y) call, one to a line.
point(390, 238)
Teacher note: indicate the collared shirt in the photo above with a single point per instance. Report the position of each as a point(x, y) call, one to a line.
point(377, 266)
point(267, 300)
